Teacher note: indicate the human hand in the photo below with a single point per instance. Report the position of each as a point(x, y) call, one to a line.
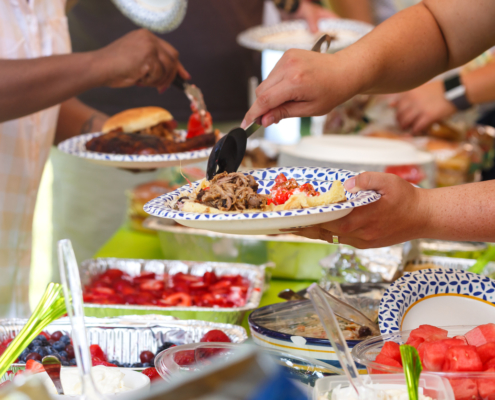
point(400, 214)
point(421, 107)
point(139, 58)
point(312, 13)
point(302, 84)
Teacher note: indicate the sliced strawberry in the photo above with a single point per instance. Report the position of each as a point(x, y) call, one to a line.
point(34, 367)
point(215, 335)
point(97, 352)
point(151, 284)
point(145, 276)
point(98, 361)
point(177, 299)
point(209, 278)
point(103, 291)
point(112, 274)
point(152, 373)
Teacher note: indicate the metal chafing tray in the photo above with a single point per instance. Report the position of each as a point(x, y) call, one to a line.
point(448, 262)
point(254, 273)
point(123, 339)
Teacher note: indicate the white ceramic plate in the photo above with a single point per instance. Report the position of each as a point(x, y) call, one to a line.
point(76, 146)
point(267, 223)
point(440, 297)
point(295, 34)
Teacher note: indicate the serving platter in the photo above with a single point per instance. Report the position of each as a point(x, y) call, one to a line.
point(267, 223)
point(295, 34)
point(76, 146)
point(430, 296)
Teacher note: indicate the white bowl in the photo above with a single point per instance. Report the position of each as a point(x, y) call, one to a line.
point(138, 383)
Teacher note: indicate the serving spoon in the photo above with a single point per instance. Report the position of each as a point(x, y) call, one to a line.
point(228, 152)
point(52, 366)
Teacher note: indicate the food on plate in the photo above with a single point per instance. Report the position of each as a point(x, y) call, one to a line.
point(237, 192)
point(139, 196)
point(412, 173)
point(180, 289)
point(472, 352)
point(310, 326)
point(107, 381)
point(199, 124)
point(443, 130)
point(146, 131)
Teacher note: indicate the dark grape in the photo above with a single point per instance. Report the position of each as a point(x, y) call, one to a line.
point(33, 356)
point(146, 356)
point(56, 336)
point(137, 365)
point(70, 351)
point(65, 339)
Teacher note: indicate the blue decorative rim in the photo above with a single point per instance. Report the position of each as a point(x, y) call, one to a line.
point(76, 146)
point(320, 178)
point(287, 337)
point(417, 285)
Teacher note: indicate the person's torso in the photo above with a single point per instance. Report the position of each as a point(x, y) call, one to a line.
point(206, 41)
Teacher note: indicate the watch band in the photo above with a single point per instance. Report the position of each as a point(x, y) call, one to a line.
point(289, 6)
point(455, 92)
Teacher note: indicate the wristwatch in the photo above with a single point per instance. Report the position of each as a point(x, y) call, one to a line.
point(455, 92)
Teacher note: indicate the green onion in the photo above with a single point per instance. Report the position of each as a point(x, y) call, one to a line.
point(412, 369)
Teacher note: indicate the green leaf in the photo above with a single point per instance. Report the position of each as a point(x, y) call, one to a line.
point(412, 369)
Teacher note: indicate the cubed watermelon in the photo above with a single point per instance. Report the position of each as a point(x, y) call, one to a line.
point(463, 338)
point(462, 358)
point(384, 360)
point(486, 352)
point(486, 387)
point(464, 389)
point(481, 335)
point(489, 364)
point(421, 351)
point(432, 354)
point(414, 341)
point(429, 333)
point(392, 350)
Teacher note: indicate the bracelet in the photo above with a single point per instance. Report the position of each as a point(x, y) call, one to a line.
point(289, 6)
point(455, 92)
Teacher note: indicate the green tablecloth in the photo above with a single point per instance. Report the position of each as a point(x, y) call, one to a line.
point(126, 243)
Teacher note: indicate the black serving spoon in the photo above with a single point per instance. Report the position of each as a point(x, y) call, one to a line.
point(228, 152)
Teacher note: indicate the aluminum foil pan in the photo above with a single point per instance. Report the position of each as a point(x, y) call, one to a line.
point(470, 250)
point(123, 339)
point(254, 273)
point(448, 262)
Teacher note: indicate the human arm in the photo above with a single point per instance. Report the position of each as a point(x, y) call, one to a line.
point(406, 50)
point(76, 118)
point(359, 10)
point(420, 107)
point(405, 212)
point(30, 85)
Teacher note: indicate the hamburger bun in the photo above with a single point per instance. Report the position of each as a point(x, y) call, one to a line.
point(137, 119)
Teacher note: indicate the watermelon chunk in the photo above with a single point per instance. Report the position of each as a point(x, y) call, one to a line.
point(392, 350)
point(489, 364)
point(464, 389)
point(463, 338)
point(486, 352)
point(432, 354)
point(415, 342)
point(429, 333)
point(462, 358)
point(384, 360)
point(486, 387)
point(481, 335)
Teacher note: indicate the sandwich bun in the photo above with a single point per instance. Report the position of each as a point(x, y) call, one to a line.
point(137, 119)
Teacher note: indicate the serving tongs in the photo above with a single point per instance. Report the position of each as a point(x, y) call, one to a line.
point(227, 154)
point(340, 307)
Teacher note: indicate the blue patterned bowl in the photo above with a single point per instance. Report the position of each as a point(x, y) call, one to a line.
point(76, 146)
point(444, 297)
point(266, 223)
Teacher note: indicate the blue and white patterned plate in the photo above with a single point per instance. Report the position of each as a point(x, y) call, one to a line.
point(295, 35)
point(266, 223)
point(76, 146)
point(439, 297)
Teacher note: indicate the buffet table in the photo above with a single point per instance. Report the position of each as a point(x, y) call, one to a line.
point(127, 243)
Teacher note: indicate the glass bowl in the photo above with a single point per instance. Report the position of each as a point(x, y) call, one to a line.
point(188, 358)
point(464, 384)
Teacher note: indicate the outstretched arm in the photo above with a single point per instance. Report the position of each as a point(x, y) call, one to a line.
point(404, 213)
point(403, 52)
point(27, 86)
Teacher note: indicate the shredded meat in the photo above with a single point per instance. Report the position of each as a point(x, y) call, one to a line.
point(232, 192)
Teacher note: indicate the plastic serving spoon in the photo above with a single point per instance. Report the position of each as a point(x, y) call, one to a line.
point(327, 317)
point(71, 283)
point(228, 152)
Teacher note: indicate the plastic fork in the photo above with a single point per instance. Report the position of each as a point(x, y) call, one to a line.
point(71, 283)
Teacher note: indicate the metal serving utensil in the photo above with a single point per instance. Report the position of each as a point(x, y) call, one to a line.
point(52, 367)
point(194, 94)
point(228, 152)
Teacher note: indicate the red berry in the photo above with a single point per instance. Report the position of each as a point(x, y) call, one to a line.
point(97, 352)
point(97, 361)
point(152, 373)
point(56, 336)
point(215, 336)
point(184, 358)
point(46, 335)
point(146, 356)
